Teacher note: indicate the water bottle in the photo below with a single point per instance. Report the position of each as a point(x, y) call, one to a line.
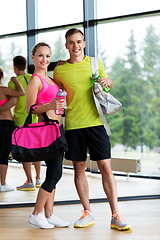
point(95, 77)
point(61, 95)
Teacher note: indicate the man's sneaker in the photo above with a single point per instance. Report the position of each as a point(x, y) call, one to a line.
point(38, 183)
point(57, 222)
point(26, 187)
point(119, 223)
point(40, 221)
point(6, 188)
point(85, 221)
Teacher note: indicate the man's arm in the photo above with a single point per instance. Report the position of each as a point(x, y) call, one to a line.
point(9, 104)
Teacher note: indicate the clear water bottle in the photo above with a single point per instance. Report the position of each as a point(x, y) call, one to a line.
point(95, 77)
point(61, 95)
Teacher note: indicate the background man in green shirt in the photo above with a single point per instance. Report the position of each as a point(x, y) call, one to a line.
point(20, 114)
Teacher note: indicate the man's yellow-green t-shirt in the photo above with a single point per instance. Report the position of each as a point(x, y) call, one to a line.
point(20, 112)
point(76, 79)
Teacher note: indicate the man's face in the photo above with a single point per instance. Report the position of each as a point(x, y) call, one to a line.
point(75, 45)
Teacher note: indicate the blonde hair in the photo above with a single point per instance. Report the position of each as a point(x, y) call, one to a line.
point(40, 44)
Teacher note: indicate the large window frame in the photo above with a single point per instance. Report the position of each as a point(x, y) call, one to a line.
point(89, 25)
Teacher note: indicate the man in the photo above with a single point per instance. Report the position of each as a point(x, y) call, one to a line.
point(84, 128)
point(20, 114)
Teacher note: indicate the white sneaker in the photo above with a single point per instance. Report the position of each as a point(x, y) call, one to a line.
point(6, 188)
point(57, 222)
point(40, 221)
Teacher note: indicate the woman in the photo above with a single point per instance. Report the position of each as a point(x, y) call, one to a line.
point(6, 126)
point(42, 91)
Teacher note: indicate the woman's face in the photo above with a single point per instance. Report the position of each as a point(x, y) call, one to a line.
point(42, 57)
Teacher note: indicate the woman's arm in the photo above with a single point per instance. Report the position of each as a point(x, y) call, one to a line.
point(9, 104)
point(15, 93)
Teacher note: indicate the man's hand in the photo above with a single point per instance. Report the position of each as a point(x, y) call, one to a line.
point(104, 82)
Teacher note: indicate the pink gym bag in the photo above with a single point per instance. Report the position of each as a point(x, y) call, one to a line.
point(38, 141)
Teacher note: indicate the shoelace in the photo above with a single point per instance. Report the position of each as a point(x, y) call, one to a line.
point(118, 217)
point(85, 213)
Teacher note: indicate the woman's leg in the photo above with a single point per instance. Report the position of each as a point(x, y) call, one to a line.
point(3, 173)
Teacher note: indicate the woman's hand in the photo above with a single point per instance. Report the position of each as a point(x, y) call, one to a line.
point(57, 103)
point(14, 79)
point(104, 82)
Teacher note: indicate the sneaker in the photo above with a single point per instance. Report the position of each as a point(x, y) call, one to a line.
point(38, 183)
point(40, 221)
point(6, 188)
point(119, 223)
point(85, 221)
point(57, 222)
point(26, 187)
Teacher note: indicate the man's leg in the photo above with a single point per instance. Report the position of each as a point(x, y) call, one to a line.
point(28, 185)
point(109, 183)
point(109, 186)
point(81, 183)
point(82, 187)
point(37, 166)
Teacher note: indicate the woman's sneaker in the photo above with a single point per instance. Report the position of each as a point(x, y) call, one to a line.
point(57, 222)
point(6, 188)
point(119, 223)
point(40, 221)
point(86, 220)
point(26, 187)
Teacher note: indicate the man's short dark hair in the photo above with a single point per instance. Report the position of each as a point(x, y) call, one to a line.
point(20, 62)
point(73, 31)
point(1, 72)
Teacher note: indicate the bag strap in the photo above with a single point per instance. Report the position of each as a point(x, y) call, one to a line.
point(94, 64)
point(29, 117)
point(95, 68)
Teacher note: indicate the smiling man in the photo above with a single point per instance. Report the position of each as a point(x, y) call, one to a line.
point(84, 128)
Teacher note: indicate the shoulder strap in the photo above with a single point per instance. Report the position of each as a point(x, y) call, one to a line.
point(94, 64)
point(25, 79)
point(95, 67)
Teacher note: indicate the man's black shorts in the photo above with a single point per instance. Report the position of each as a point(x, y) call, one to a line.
point(95, 139)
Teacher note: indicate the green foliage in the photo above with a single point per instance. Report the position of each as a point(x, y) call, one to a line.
point(137, 87)
point(59, 52)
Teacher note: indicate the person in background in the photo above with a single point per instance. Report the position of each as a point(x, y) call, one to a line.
point(7, 126)
point(84, 128)
point(42, 91)
point(20, 114)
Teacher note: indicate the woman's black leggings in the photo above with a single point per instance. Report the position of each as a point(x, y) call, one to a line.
point(53, 173)
point(6, 129)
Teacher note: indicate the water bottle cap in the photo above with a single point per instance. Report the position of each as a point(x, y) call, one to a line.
point(95, 75)
point(61, 93)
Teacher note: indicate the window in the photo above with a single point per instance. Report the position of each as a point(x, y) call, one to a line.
point(13, 16)
point(130, 51)
point(56, 40)
point(55, 13)
point(9, 48)
point(106, 9)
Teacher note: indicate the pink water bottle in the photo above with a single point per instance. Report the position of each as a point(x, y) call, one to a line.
point(61, 95)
